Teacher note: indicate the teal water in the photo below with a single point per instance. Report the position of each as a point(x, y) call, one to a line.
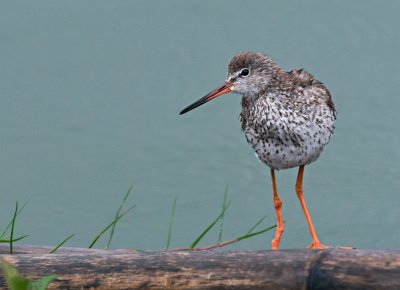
point(90, 95)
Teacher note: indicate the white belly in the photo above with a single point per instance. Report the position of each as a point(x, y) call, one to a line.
point(282, 153)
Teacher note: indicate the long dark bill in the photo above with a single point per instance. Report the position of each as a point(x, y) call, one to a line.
point(224, 89)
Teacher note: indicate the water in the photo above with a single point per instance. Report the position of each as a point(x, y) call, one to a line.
point(90, 95)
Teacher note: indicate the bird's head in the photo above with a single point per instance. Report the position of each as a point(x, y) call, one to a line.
point(249, 73)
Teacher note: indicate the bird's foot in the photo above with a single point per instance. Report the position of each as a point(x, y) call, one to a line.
point(277, 239)
point(316, 245)
point(274, 244)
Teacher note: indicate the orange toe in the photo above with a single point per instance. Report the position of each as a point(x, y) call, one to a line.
point(316, 245)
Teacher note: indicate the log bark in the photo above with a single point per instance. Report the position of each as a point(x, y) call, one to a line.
point(284, 269)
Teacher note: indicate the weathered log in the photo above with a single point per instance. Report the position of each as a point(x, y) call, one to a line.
point(283, 269)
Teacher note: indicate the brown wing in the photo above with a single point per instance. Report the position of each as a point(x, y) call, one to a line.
point(304, 79)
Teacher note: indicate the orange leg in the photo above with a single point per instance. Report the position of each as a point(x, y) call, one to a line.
point(315, 244)
point(279, 221)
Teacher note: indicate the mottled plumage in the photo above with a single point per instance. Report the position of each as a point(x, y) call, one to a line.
point(287, 117)
point(290, 119)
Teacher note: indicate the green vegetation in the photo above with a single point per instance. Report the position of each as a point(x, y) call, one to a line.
point(60, 244)
point(210, 226)
point(10, 226)
point(110, 225)
point(16, 281)
point(221, 225)
point(121, 212)
point(118, 214)
point(171, 223)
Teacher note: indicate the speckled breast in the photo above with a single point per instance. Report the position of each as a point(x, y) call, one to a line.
point(285, 138)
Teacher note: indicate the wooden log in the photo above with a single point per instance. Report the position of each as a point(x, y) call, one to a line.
point(283, 269)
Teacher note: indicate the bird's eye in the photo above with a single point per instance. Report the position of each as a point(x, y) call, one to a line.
point(245, 72)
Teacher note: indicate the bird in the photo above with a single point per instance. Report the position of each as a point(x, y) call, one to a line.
point(287, 117)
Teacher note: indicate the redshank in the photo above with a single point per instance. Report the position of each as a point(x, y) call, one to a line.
point(287, 117)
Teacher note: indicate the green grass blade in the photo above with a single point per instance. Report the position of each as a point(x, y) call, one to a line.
point(117, 213)
point(12, 228)
point(171, 223)
point(43, 282)
point(10, 222)
point(210, 226)
point(14, 280)
point(238, 239)
point(14, 240)
point(246, 236)
point(256, 224)
point(60, 244)
point(221, 224)
point(109, 226)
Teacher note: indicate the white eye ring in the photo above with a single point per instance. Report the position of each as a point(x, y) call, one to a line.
point(245, 72)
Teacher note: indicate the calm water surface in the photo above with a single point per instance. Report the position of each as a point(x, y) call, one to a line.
point(90, 95)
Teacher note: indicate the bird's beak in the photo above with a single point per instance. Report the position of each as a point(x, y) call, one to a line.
point(224, 89)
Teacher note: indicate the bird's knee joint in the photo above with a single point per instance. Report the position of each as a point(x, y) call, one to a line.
point(277, 203)
point(299, 189)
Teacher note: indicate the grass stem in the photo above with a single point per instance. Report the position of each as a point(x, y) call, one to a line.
point(117, 213)
point(171, 223)
point(12, 228)
point(60, 244)
point(116, 219)
point(210, 226)
point(221, 224)
point(10, 222)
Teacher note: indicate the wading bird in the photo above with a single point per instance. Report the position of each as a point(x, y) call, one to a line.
point(287, 117)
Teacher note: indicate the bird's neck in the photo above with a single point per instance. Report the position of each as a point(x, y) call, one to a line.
point(251, 106)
